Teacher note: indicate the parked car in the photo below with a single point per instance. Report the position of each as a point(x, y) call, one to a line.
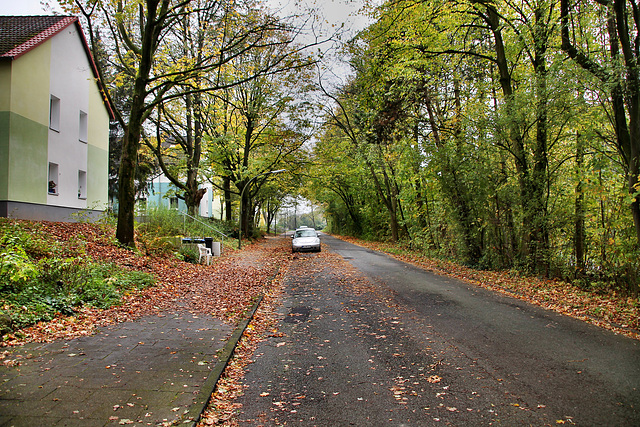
point(305, 239)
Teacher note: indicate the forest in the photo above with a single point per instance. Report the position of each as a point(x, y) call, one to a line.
point(503, 135)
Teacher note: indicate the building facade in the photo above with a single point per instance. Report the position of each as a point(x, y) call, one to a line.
point(54, 121)
point(162, 195)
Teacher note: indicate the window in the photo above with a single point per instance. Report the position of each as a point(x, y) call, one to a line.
point(82, 184)
point(173, 202)
point(84, 127)
point(53, 179)
point(54, 114)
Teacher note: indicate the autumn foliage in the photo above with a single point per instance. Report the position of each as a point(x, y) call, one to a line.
point(224, 289)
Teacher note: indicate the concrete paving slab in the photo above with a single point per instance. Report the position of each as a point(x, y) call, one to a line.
point(149, 372)
point(28, 421)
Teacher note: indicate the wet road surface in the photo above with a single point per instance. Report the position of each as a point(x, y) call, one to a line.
point(366, 340)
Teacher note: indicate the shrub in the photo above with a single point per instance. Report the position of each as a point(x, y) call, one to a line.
point(39, 280)
point(189, 253)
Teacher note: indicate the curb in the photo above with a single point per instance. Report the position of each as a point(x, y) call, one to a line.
point(192, 416)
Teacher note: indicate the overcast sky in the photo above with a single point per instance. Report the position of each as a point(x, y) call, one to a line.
point(335, 11)
point(24, 7)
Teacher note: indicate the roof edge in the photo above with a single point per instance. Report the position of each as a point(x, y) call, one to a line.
point(96, 73)
point(40, 38)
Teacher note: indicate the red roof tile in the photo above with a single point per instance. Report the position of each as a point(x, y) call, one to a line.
point(20, 34)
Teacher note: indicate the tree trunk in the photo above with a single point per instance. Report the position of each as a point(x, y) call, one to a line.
point(268, 217)
point(125, 232)
point(417, 181)
point(533, 184)
point(539, 178)
point(389, 204)
point(126, 186)
point(193, 195)
point(349, 203)
point(623, 89)
point(457, 191)
point(244, 213)
point(579, 223)
point(226, 185)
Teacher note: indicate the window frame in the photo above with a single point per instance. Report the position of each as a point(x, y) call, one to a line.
point(82, 185)
point(54, 113)
point(54, 173)
point(83, 127)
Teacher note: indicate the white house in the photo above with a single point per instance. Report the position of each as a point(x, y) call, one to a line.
point(54, 121)
point(162, 194)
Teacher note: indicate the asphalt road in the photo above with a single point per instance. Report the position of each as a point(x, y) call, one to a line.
point(407, 347)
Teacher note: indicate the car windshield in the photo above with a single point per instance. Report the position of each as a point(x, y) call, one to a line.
point(306, 233)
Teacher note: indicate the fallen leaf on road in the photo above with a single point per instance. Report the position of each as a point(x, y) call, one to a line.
point(434, 379)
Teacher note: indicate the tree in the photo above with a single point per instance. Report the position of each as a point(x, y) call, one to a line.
point(260, 126)
point(617, 68)
point(141, 34)
point(501, 149)
point(336, 181)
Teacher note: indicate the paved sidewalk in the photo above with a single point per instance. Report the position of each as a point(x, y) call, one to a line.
point(152, 371)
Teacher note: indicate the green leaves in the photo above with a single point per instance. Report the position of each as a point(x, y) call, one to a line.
point(57, 279)
point(16, 268)
point(468, 116)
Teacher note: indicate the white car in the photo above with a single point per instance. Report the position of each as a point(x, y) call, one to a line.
point(305, 239)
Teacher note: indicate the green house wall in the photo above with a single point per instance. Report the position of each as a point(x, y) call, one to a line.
point(98, 152)
point(26, 171)
point(4, 154)
point(24, 127)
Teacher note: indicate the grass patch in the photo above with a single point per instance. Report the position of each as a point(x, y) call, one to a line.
point(161, 230)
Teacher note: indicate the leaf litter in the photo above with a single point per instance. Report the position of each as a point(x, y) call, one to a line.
point(224, 408)
point(225, 289)
point(620, 314)
point(229, 286)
